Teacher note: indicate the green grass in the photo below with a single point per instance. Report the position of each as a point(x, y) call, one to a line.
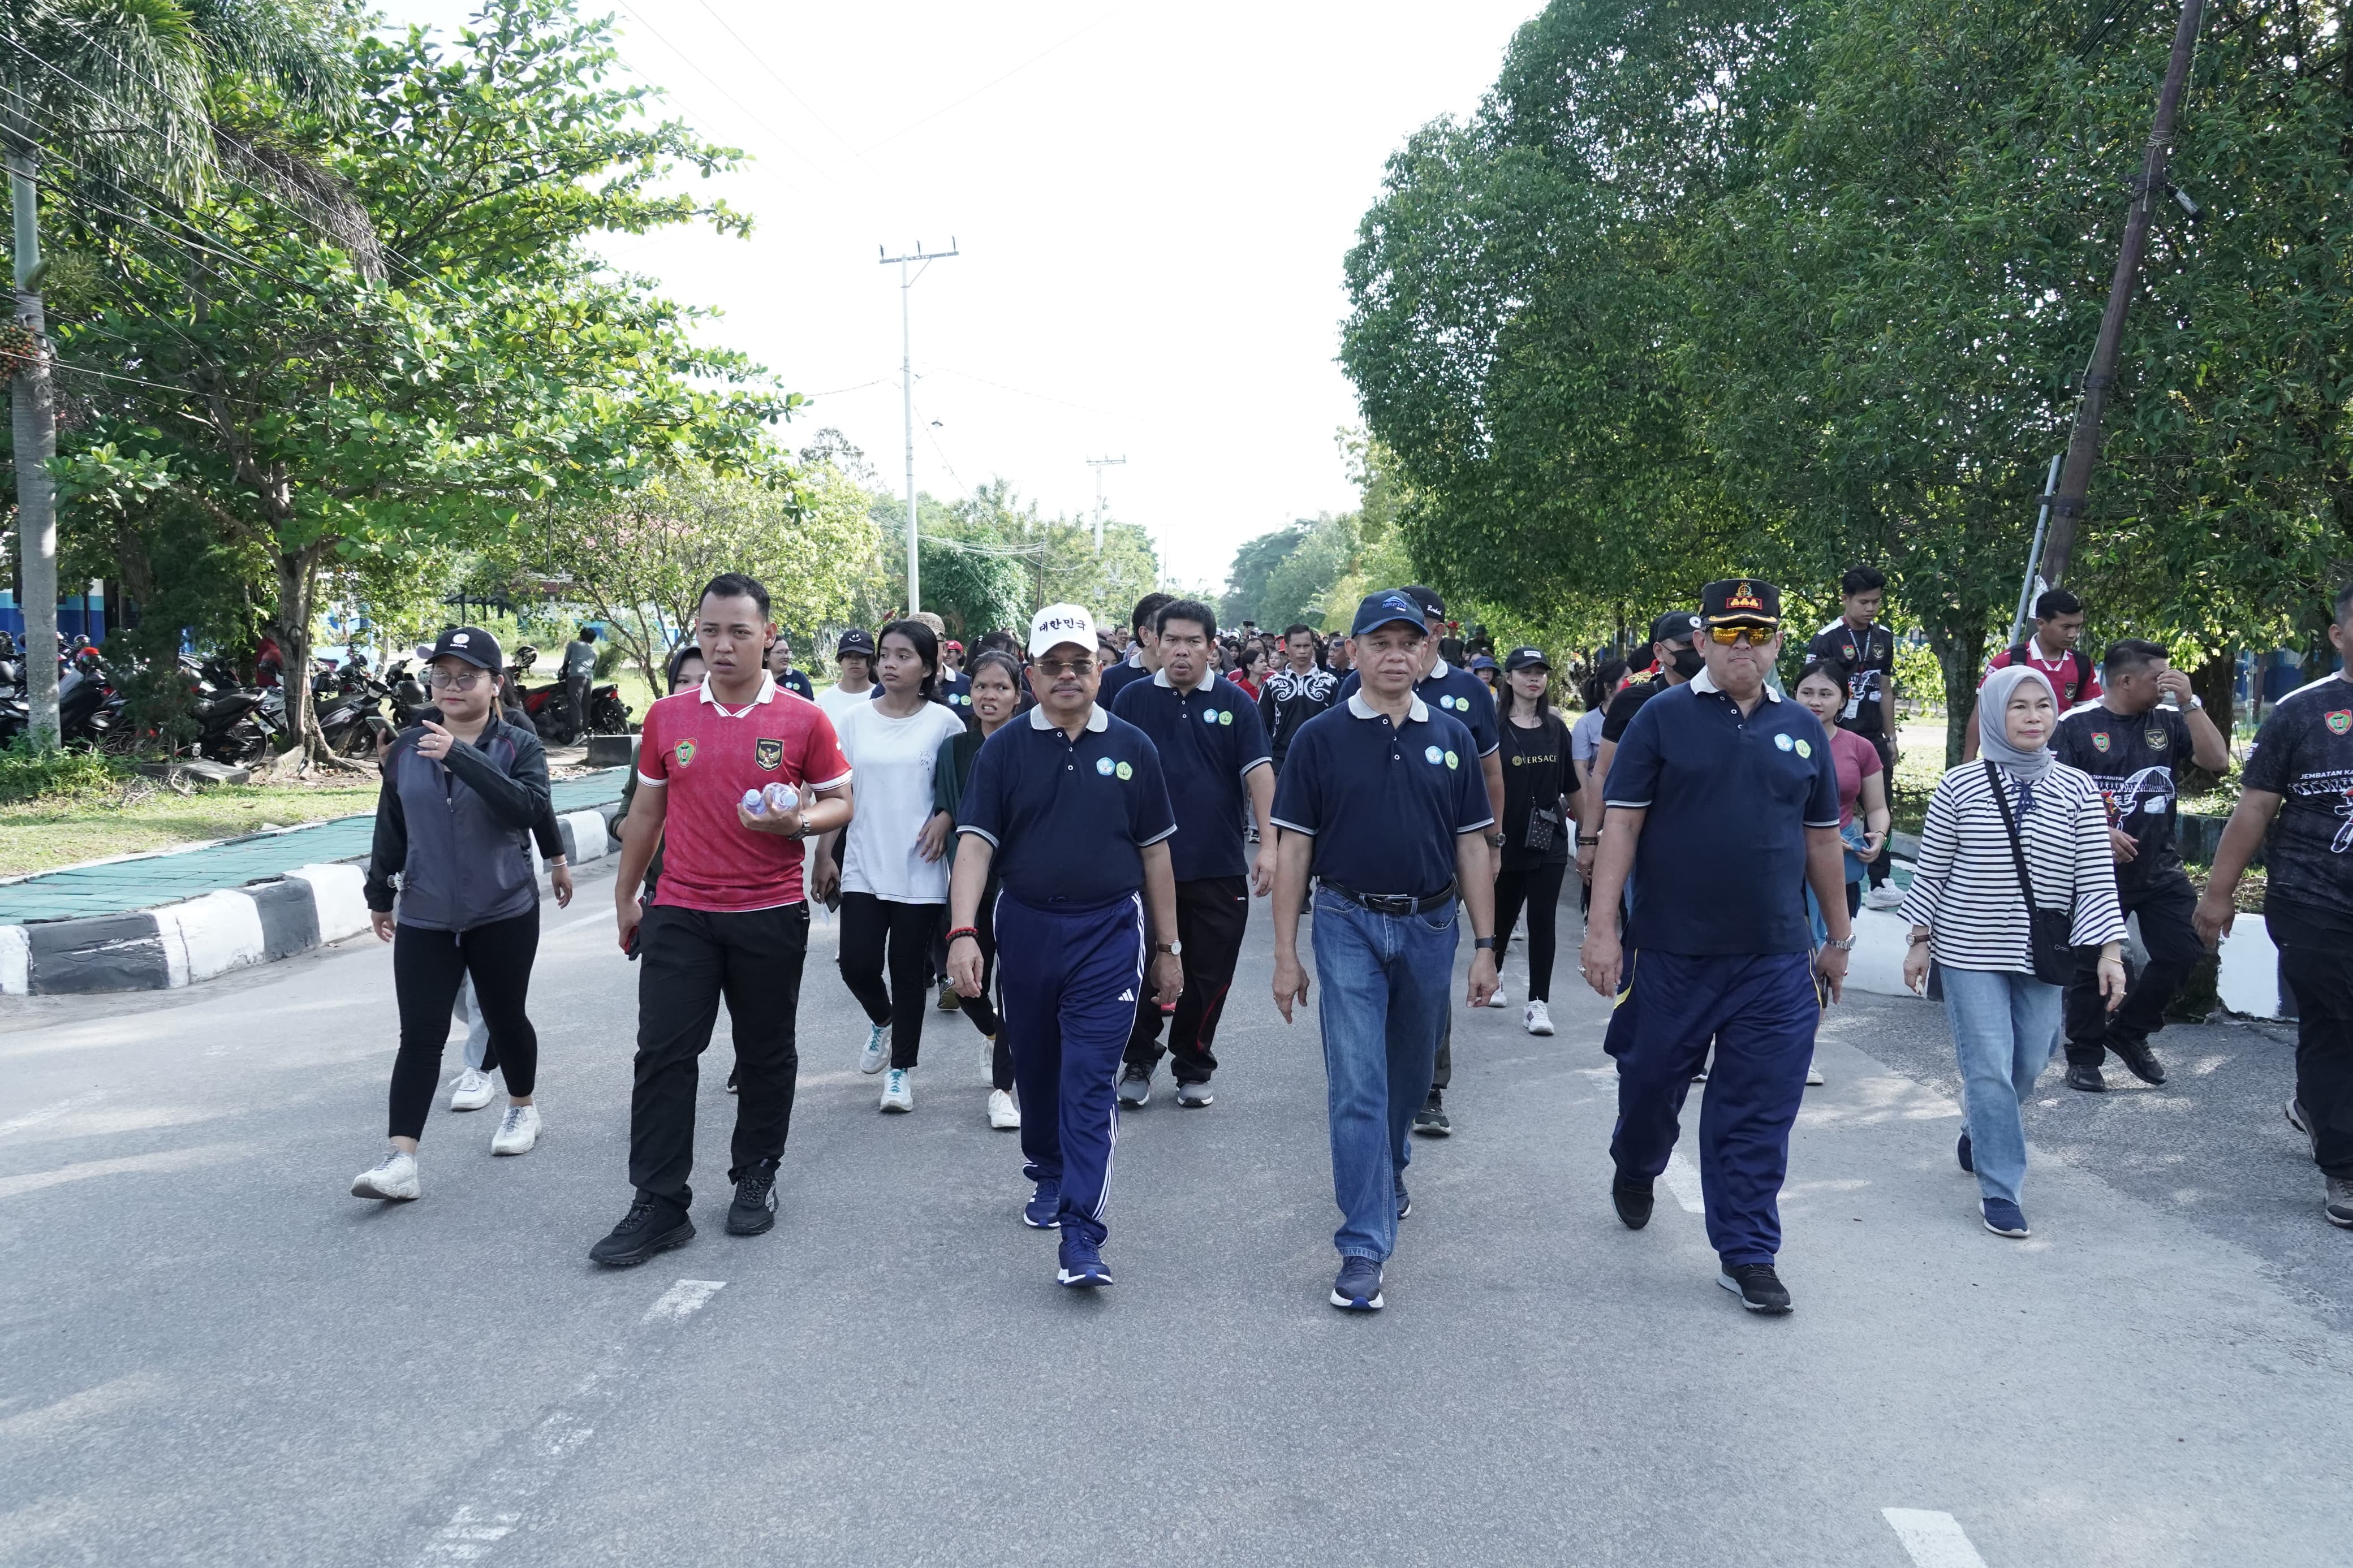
point(140, 816)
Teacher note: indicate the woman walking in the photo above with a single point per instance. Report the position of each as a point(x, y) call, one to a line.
point(1536, 825)
point(1862, 781)
point(454, 822)
point(996, 696)
point(2015, 869)
point(892, 893)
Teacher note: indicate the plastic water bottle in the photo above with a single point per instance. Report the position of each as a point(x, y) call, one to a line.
point(782, 798)
point(754, 802)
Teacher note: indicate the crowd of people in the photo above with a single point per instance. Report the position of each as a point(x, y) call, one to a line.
point(1058, 835)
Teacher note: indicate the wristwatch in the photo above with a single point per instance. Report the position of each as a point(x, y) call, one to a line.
point(1495, 840)
point(1844, 944)
point(1173, 948)
point(1478, 943)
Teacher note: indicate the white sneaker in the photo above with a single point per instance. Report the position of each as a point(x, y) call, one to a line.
point(1498, 999)
point(1003, 1114)
point(1537, 1020)
point(517, 1130)
point(897, 1093)
point(1886, 896)
point(988, 1059)
point(393, 1179)
point(471, 1089)
point(878, 1049)
point(1813, 1074)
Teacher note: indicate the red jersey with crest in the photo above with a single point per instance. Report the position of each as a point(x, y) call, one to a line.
point(705, 756)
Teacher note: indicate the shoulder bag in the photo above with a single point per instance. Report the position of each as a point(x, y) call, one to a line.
point(2047, 946)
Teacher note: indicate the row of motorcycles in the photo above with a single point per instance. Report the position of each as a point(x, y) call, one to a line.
point(240, 724)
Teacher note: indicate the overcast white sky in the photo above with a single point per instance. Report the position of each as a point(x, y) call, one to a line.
point(1151, 207)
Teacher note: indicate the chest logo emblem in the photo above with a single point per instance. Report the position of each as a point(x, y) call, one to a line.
point(1434, 754)
point(769, 752)
point(1209, 715)
point(2340, 722)
point(1226, 717)
point(2156, 739)
point(1805, 748)
point(1124, 771)
point(683, 752)
point(2100, 742)
point(1783, 742)
point(1103, 766)
point(1452, 760)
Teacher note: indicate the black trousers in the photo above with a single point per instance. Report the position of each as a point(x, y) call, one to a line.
point(1212, 912)
point(981, 1009)
point(2321, 980)
point(2174, 950)
point(689, 959)
point(575, 693)
point(871, 929)
point(1875, 871)
point(428, 967)
point(1538, 886)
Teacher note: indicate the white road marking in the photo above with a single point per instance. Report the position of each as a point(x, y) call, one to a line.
point(47, 1112)
point(534, 1459)
point(1934, 1540)
point(1682, 1180)
point(161, 1160)
point(683, 1299)
point(603, 917)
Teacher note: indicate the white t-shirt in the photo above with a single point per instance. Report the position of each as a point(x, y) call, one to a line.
point(892, 760)
point(838, 703)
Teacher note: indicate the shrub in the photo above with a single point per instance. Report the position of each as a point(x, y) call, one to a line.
point(31, 772)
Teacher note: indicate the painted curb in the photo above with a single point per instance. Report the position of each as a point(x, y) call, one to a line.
point(202, 938)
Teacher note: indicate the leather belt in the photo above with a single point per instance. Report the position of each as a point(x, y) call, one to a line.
point(1393, 903)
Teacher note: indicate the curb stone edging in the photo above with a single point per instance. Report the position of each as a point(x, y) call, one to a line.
point(201, 937)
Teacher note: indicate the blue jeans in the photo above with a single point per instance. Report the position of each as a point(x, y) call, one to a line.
point(2004, 1028)
point(1385, 981)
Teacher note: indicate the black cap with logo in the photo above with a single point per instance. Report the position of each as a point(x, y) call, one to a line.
point(1675, 625)
point(857, 642)
point(1520, 658)
point(470, 644)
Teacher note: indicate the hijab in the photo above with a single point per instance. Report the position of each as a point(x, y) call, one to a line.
point(1993, 729)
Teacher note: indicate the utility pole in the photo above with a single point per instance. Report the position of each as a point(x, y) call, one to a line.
point(907, 382)
point(34, 418)
point(1099, 465)
point(2083, 443)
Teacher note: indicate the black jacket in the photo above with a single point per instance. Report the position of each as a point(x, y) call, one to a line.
point(454, 830)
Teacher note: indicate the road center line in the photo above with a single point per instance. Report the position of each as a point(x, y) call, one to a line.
point(1682, 1180)
point(63, 1107)
point(1934, 1540)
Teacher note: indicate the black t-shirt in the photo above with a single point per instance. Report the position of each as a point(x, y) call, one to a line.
point(1869, 656)
point(1535, 774)
point(1626, 703)
point(2305, 752)
point(2135, 762)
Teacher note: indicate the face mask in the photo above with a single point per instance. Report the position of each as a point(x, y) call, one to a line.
point(1688, 663)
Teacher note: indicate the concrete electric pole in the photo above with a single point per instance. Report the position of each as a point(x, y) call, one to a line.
point(907, 382)
point(1099, 465)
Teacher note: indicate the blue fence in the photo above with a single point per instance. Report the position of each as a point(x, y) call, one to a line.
point(81, 616)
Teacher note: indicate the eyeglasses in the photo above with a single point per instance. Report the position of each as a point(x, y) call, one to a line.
point(465, 680)
point(1730, 635)
point(1057, 667)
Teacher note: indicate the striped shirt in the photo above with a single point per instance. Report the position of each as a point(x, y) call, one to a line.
point(1965, 884)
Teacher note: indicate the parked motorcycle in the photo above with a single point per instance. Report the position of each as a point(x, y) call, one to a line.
point(549, 706)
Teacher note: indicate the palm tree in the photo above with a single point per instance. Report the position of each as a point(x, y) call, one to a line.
point(121, 90)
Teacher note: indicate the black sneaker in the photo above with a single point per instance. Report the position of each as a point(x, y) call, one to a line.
point(754, 1208)
point(651, 1225)
point(1403, 1199)
point(1968, 1162)
point(1431, 1119)
point(2085, 1077)
point(1759, 1289)
point(730, 1078)
point(949, 1001)
point(2295, 1119)
point(1633, 1199)
point(2139, 1061)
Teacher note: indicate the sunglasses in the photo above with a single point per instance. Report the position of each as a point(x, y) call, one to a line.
point(1730, 635)
point(1060, 666)
point(441, 679)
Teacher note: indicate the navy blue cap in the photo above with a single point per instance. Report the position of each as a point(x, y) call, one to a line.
point(857, 640)
point(1520, 658)
point(468, 645)
point(1380, 609)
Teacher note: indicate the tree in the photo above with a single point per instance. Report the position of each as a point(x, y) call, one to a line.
point(121, 95)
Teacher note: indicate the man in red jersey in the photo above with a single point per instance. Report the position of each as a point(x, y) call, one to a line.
point(729, 918)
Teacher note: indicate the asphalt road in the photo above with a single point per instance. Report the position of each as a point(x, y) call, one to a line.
point(210, 1355)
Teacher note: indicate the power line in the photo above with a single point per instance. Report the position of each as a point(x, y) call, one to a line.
point(134, 381)
point(994, 82)
point(774, 74)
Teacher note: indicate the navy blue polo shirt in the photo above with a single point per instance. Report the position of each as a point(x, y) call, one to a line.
point(1209, 739)
point(1721, 865)
point(1383, 801)
point(1068, 819)
point(1117, 679)
point(1455, 693)
point(954, 689)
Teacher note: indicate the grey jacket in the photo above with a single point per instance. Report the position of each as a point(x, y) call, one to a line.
point(456, 831)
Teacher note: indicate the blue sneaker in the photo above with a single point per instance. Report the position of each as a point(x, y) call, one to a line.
point(1962, 1152)
point(1044, 1209)
point(1404, 1198)
point(1083, 1266)
point(2002, 1218)
point(1358, 1289)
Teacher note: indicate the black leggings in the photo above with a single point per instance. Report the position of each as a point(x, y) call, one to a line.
point(981, 1009)
point(869, 928)
point(427, 966)
point(1537, 887)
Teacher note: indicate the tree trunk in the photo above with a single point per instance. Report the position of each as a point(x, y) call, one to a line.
point(2216, 684)
point(33, 417)
point(1957, 643)
point(298, 583)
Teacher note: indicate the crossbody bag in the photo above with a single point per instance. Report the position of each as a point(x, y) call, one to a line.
point(2047, 943)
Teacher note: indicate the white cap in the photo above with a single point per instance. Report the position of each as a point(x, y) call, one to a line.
point(1059, 624)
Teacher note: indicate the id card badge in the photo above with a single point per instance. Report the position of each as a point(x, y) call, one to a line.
point(1854, 706)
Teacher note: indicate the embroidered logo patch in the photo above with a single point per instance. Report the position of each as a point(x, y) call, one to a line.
point(2340, 722)
point(1434, 754)
point(1103, 766)
point(1124, 771)
point(769, 752)
point(1452, 760)
point(683, 752)
point(2100, 740)
point(1744, 597)
point(1784, 742)
point(1225, 716)
point(1805, 748)
point(2156, 739)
